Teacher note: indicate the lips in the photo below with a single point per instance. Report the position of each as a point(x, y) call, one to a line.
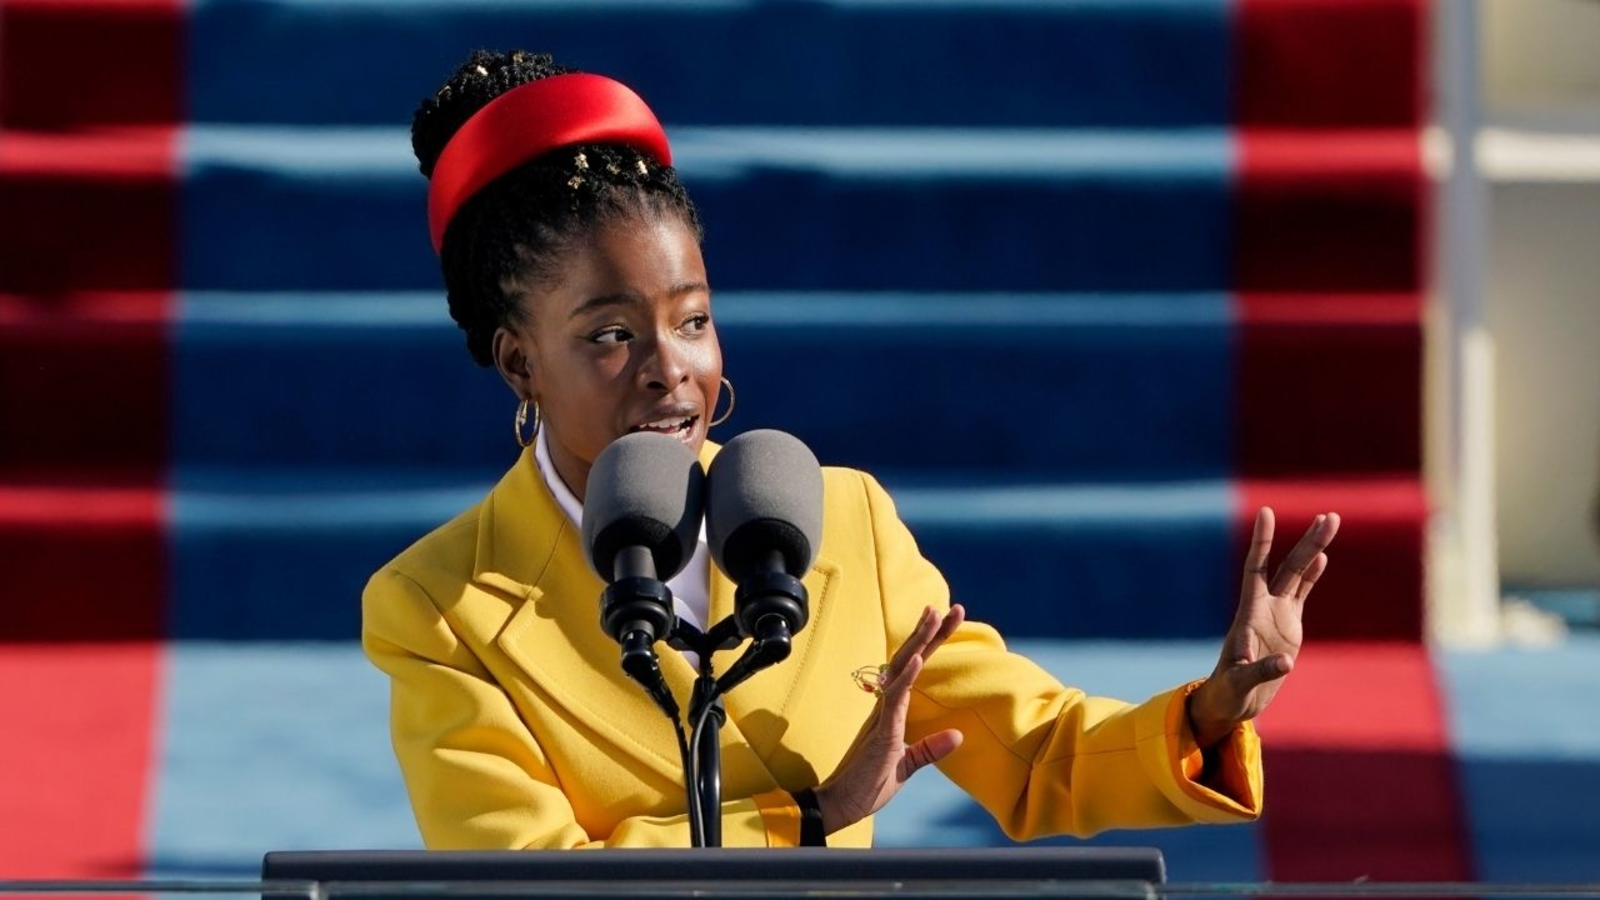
point(679, 424)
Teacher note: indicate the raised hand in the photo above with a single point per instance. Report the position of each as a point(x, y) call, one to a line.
point(879, 762)
point(1264, 640)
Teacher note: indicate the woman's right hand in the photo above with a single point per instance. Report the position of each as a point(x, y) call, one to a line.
point(879, 763)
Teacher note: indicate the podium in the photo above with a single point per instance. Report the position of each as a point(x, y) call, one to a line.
point(726, 872)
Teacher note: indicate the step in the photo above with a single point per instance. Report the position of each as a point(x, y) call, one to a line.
point(224, 208)
point(127, 69)
point(85, 556)
point(906, 210)
point(1074, 386)
point(295, 764)
point(919, 210)
point(1117, 63)
point(86, 382)
point(1077, 386)
point(1128, 63)
point(283, 555)
point(89, 212)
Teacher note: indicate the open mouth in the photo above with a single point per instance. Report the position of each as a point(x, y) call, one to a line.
point(681, 427)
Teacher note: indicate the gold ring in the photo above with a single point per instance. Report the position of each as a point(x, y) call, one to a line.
point(871, 678)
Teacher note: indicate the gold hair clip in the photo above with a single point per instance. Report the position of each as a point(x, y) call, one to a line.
point(871, 678)
point(581, 162)
point(575, 182)
point(481, 71)
point(613, 168)
point(643, 169)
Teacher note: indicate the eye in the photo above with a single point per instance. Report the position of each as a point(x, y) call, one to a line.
point(697, 323)
point(614, 334)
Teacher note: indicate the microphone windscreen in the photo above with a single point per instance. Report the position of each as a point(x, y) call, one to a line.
point(764, 495)
point(645, 490)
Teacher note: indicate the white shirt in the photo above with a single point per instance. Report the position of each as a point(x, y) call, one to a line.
point(691, 589)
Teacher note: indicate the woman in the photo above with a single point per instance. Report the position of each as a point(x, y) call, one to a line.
point(571, 256)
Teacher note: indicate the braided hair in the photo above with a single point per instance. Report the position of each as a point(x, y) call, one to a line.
point(513, 233)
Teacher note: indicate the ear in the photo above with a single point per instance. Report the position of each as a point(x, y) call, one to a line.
point(513, 361)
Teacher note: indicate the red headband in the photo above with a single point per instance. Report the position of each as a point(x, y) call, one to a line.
point(529, 121)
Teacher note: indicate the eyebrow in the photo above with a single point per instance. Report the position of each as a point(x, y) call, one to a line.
point(628, 297)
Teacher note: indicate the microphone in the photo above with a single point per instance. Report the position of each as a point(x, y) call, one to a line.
point(641, 521)
point(764, 524)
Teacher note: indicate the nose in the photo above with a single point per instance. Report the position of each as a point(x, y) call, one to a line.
point(665, 365)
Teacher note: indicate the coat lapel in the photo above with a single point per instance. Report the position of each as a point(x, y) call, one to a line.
point(528, 548)
point(761, 705)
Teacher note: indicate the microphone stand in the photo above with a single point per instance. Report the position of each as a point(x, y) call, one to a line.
point(767, 604)
point(703, 768)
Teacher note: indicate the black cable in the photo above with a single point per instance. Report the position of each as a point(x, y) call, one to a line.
point(686, 758)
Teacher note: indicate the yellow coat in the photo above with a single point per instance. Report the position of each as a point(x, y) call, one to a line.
point(515, 726)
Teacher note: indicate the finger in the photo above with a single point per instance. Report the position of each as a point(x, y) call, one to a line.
point(927, 751)
point(897, 703)
point(947, 626)
point(902, 681)
point(1255, 560)
point(1309, 580)
point(912, 646)
point(1313, 542)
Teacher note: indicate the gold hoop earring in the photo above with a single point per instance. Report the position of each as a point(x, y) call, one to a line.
point(522, 420)
point(732, 402)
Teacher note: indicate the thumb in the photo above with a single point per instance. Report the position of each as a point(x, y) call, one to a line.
point(927, 751)
point(1261, 671)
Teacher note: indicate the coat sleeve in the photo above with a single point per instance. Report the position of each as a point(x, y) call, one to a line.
point(477, 776)
point(1040, 757)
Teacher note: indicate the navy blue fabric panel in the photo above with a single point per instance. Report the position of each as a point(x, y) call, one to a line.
point(811, 231)
point(258, 556)
point(273, 393)
point(279, 585)
point(254, 229)
point(1077, 388)
point(1007, 391)
point(278, 229)
point(1115, 62)
point(284, 554)
point(1052, 563)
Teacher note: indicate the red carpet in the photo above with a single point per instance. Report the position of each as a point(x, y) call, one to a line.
point(1331, 262)
point(90, 101)
point(76, 764)
point(1361, 781)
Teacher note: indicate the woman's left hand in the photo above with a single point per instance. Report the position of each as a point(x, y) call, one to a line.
point(1261, 646)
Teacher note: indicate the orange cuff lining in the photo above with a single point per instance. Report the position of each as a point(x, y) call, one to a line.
point(1232, 777)
point(780, 816)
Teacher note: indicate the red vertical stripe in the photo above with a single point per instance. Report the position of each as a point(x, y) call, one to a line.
point(76, 763)
point(1330, 63)
point(1329, 384)
point(1330, 211)
point(91, 98)
point(78, 678)
point(1361, 782)
point(88, 212)
point(83, 387)
point(84, 564)
point(70, 63)
point(1374, 585)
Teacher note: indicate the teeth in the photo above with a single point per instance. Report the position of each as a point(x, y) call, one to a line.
point(666, 425)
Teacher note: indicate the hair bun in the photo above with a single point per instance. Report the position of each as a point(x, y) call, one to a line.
point(485, 75)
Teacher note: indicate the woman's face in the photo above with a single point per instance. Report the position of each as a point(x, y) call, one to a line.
point(620, 340)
